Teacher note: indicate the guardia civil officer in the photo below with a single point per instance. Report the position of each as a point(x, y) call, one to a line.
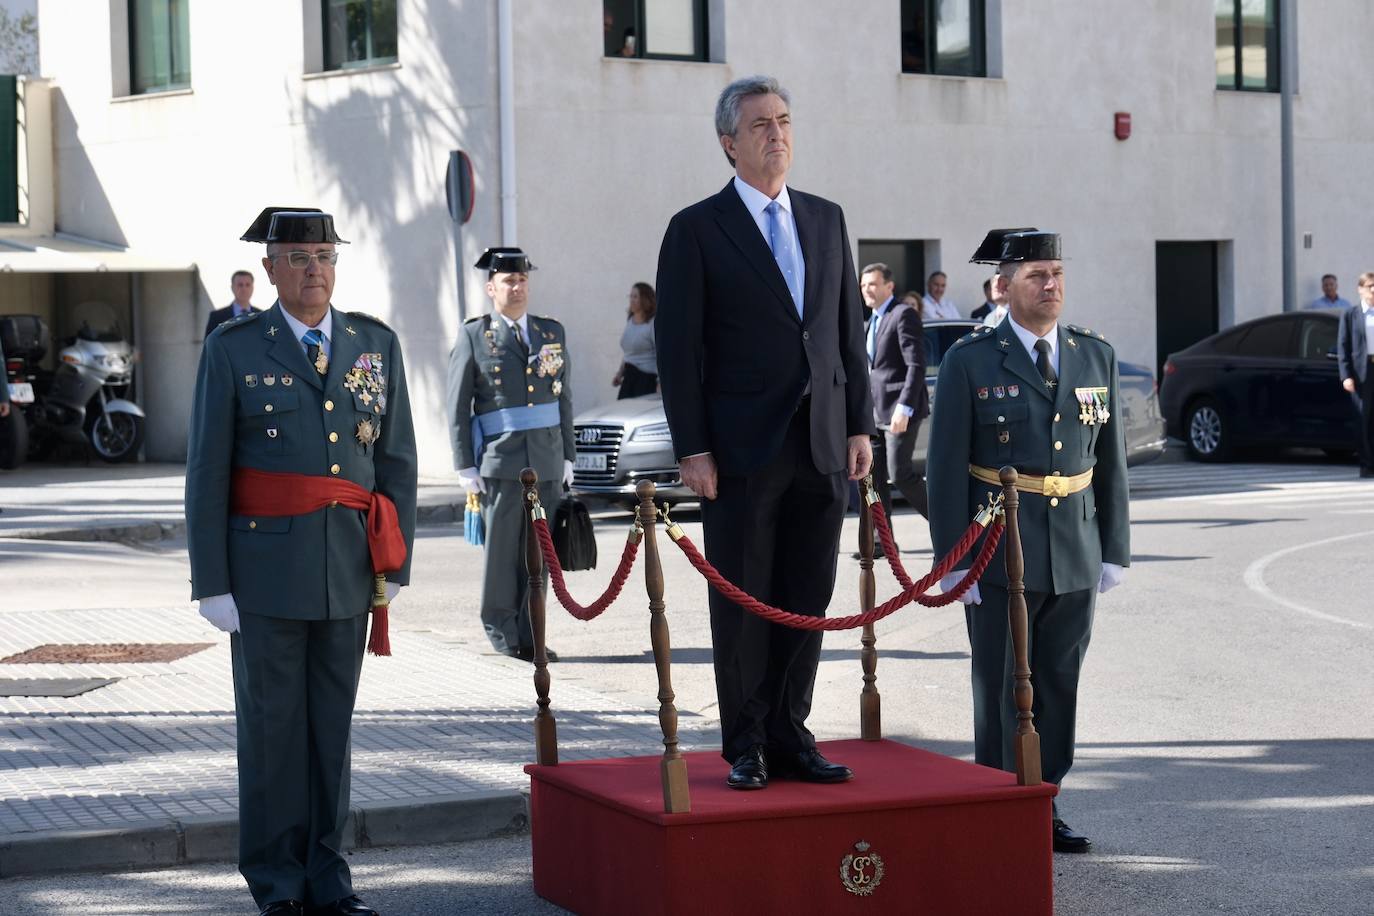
point(510, 407)
point(1042, 397)
point(300, 436)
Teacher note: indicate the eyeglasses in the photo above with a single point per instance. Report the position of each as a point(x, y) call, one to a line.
point(302, 259)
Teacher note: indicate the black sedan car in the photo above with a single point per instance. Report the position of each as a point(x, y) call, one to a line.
point(624, 442)
point(1269, 382)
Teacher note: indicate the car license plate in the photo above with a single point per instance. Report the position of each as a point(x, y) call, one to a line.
point(590, 463)
point(21, 392)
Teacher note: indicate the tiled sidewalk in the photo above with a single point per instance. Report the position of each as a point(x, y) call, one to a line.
point(434, 720)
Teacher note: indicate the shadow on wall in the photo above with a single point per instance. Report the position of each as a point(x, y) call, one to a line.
point(86, 210)
point(407, 212)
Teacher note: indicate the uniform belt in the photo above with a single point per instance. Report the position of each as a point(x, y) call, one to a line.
point(1029, 483)
point(512, 419)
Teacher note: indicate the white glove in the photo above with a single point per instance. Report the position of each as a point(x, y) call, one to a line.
point(221, 611)
point(471, 480)
point(1112, 576)
point(951, 581)
point(392, 590)
point(567, 472)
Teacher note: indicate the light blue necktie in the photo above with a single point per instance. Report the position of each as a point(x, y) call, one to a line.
point(314, 349)
point(784, 252)
point(873, 336)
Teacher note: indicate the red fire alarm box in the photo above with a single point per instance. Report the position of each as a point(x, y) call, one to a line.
point(1123, 125)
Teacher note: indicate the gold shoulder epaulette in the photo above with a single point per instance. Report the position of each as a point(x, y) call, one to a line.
point(372, 318)
point(1086, 332)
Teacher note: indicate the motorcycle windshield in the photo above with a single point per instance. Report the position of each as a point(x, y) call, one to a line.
point(98, 322)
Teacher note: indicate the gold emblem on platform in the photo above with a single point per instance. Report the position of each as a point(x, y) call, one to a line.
point(862, 870)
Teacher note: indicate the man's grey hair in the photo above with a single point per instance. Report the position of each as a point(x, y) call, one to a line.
point(727, 106)
point(878, 267)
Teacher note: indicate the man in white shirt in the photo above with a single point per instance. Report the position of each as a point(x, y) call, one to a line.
point(1328, 299)
point(938, 306)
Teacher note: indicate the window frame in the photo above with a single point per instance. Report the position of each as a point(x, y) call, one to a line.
point(171, 86)
point(978, 40)
point(701, 25)
point(366, 62)
point(1272, 53)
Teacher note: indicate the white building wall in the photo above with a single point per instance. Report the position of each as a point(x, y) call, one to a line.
point(608, 149)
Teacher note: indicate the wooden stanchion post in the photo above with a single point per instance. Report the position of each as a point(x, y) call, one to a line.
point(1027, 742)
point(673, 766)
point(870, 702)
point(545, 729)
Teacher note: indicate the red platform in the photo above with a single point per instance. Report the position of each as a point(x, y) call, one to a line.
point(953, 838)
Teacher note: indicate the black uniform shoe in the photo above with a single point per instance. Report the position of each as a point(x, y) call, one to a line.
point(750, 770)
point(283, 908)
point(348, 906)
point(810, 766)
point(526, 653)
point(1065, 840)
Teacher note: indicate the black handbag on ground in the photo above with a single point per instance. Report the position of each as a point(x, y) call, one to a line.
point(574, 538)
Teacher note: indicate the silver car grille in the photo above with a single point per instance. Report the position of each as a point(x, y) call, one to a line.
point(598, 439)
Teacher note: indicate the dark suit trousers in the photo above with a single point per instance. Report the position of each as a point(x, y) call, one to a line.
point(900, 468)
point(1364, 426)
point(505, 581)
point(1060, 627)
point(775, 534)
point(295, 682)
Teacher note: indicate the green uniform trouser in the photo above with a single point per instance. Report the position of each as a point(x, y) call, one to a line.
point(1059, 629)
point(295, 682)
point(505, 582)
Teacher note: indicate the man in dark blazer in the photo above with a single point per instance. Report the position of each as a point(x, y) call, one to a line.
point(302, 398)
point(1043, 397)
point(897, 376)
point(1354, 353)
point(761, 362)
point(242, 284)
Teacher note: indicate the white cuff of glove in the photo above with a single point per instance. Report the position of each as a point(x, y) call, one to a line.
point(567, 472)
point(471, 480)
point(1112, 576)
point(221, 611)
point(392, 590)
point(950, 582)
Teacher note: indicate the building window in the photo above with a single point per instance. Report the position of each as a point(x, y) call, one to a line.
point(946, 37)
point(662, 29)
point(359, 33)
point(159, 45)
point(1248, 45)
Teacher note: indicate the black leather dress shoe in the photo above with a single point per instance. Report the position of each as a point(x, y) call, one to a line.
point(1065, 840)
point(810, 766)
point(526, 653)
point(750, 770)
point(283, 908)
point(348, 906)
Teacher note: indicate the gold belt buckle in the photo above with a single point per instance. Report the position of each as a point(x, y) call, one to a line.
point(1056, 486)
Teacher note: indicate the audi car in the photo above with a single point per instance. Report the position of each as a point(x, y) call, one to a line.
point(623, 442)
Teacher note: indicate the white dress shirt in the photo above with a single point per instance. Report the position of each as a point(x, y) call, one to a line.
point(1028, 340)
point(1368, 328)
point(298, 329)
point(993, 318)
point(937, 311)
point(756, 202)
point(873, 323)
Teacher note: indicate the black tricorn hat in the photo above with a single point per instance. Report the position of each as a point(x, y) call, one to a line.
point(990, 252)
point(293, 224)
point(504, 261)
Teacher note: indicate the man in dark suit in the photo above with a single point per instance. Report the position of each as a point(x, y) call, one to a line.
point(242, 284)
point(988, 305)
point(301, 416)
point(1354, 354)
point(1042, 397)
point(897, 377)
point(761, 362)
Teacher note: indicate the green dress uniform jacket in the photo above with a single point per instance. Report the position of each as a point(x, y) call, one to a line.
point(489, 371)
point(992, 408)
point(260, 404)
point(303, 584)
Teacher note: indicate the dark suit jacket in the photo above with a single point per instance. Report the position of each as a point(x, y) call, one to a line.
point(220, 316)
point(4, 381)
point(1352, 350)
point(982, 311)
point(898, 373)
point(733, 355)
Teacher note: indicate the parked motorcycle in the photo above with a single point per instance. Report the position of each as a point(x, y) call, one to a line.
point(84, 400)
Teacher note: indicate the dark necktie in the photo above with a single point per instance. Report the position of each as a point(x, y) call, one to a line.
point(519, 336)
point(1042, 362)
point(314, 351)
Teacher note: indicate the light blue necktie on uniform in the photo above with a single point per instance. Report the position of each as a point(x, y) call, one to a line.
point(784, 251)
point(314, 349)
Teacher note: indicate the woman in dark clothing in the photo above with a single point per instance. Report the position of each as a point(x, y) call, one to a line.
point(638, 373)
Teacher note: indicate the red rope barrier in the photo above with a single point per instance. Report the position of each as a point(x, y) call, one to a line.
point(911, 593)
point(560, 588)
point(889, 545)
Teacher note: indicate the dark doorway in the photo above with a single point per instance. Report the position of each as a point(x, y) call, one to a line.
point(1186, 304)
point(906, 258)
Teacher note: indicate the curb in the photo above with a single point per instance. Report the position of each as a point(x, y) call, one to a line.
point(439, 514)
point(214, 838)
